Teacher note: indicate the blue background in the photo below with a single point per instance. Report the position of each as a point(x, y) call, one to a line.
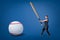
point(17, 10)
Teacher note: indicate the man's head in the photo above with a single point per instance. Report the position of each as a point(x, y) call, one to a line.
point(46, 16)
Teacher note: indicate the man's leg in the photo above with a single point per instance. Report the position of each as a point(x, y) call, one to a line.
point(42, 31)
point(47, 31)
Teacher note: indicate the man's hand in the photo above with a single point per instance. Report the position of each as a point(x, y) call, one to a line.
point(40, 21)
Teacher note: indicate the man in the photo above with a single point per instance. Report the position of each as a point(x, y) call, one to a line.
point(45, 25)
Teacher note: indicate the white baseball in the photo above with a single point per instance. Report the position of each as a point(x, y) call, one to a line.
point(15, 28)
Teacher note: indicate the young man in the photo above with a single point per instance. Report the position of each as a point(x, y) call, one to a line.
point(45, 25)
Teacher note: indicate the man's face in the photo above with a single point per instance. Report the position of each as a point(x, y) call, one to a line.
point(46, 17)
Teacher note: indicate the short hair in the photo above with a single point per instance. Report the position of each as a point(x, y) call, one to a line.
point(46, 15)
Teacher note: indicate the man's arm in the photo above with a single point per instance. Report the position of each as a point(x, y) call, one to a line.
point(43, 20)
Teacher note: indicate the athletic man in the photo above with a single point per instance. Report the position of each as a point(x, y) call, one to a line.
point(45, 25)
